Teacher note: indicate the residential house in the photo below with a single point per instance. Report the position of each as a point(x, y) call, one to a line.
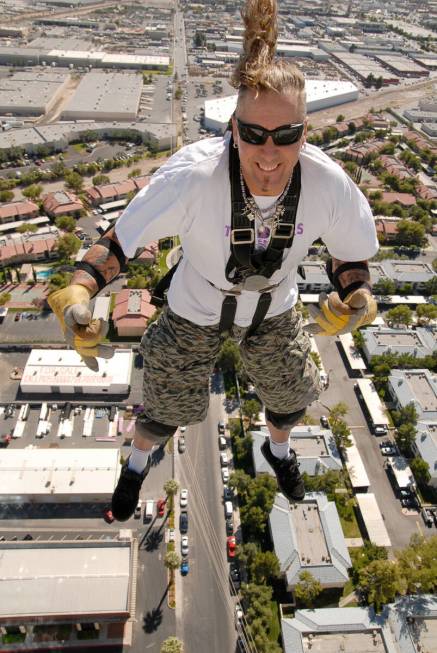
point(62, 202)
point(132, 312)
point(16, 211)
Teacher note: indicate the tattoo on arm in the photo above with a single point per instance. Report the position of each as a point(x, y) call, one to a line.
point(102, 260)
point(349, 276)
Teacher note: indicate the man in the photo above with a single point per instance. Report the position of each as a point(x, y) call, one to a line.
point(246, 209)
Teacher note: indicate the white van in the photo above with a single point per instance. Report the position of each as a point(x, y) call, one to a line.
point(228, 509)
point(148, 514)
point(224, 460)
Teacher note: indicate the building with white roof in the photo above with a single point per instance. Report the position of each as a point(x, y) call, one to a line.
point(330, 630)
point(314, 446)
point(68, 593)
point(105, 96)
point(373, 519)
point(418, 387)
point(355, 467)
point(413, 622)
point(401, 472)
point(321, 94)
point(62, 371)
point(419, 343)
point(31, 94)
point(58, 475)
point(307, 536)
point(425, 446)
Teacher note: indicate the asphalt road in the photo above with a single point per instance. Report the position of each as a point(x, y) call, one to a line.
point(400, 527)
point(205, 615)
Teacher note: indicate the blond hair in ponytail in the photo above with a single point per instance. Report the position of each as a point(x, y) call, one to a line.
point(258, 68)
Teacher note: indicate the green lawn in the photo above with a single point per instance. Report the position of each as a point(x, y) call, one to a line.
point(79, 147)
point(348, 588)
point(350, 528)
point(274, 627)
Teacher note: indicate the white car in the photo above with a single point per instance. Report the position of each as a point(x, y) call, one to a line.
point(184, 546)
point(182, 429)
point(225, 474)
point(183, 502)
point(171, 534)
point(238, 613)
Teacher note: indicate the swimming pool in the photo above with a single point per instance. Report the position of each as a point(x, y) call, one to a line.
point(42, 275)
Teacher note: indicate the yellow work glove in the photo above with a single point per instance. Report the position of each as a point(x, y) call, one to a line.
point(71, 307)
point(334, 317)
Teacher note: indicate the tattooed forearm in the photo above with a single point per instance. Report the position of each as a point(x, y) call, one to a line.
point(101, 259)
point(349, 276)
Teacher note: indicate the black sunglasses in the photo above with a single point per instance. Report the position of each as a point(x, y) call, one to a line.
point(257, 135)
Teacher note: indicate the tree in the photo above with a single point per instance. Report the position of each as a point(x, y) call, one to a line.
point(380, 581)
point(420, 469)
point(426, 313)
point(68, 245)
point(241, 482)
point(6, 195)
point(172, 645)
point(418, 564)
point(5, 297)
point(65, 222)
point(172, 562)
point(136, 172)
point(339, 118)
point(99, 180)
point(59, 280)
point(229, 358)
point(258, 614)
point(251, 408)
point(74, 181)
point(400, 315)
point(307, 589)
point(405, 414)
point(434, 265)
point(410, 233)
point(171, 487)
point(406, 437)
point(33, 191)
point(338, 410)
point(27, 228)
point(384, 286)
point(316, 358)
point(266, 567)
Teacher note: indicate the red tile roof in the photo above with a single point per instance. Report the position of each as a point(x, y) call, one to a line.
point(19, 209)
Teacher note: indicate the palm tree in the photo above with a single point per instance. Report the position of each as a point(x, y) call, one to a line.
point(170, 488)
point(172, 562)
point(172, 645)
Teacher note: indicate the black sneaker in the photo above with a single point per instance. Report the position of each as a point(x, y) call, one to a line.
point(127, 492)
point(287, 473)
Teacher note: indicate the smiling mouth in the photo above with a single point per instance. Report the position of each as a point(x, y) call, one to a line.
point(266, 168)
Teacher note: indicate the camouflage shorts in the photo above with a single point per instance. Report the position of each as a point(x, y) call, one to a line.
point(179, 357)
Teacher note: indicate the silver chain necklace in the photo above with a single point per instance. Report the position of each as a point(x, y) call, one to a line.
point(252, 210)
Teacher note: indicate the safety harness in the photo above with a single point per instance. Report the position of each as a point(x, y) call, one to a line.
point(246, 269)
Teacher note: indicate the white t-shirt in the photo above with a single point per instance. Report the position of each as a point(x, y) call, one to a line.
point(190, 196)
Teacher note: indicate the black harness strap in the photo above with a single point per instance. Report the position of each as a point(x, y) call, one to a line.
point(159, 296)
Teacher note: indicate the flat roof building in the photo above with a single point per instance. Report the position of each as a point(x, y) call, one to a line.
point(31, 94)
point(378, 341)
point(105, 96)
point(373, 519)
point(355, 467)
point(425, 446)
point(418, 387)
point(62, 371)
point(67, 594)
point(58, 475)
point(321, 94)
point(307, 536)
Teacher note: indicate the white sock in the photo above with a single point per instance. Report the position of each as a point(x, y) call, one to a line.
point(280, 450)
point(138, 459)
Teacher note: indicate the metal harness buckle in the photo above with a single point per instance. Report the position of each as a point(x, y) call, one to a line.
point(243, 241)
point(284, 226)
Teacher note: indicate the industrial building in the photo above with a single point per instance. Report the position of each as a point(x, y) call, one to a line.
point(364, 66)
point(402, 66)
point(31, 94)
point(58, 475)
point(105, 96)
point(320, 94)
point(62, 371)
point(68, 594)
point(308, 536)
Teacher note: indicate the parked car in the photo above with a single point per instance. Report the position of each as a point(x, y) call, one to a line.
point(184, 546)
point(181, 444)
point(409, 503)
point(221, 427)
point(185, 567)
point(183, 501)
point(234, 576)
point(108, 516)
point(4, 440)
point(137, 513)
point(238, 614)
point(224, 459)
point(222, 442)
point(227, 493)
point(380, 430)
point(27, 537)
point(231, 544)
point(225, 474)
point(427, 517)
point(182, 429)
point(388, 451)
point(160, 507)
point(183, 522)
point(324, 421)
point(171, 534)
point(230, 526)
point(148, 513)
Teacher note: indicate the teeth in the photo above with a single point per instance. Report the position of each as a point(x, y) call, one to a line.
point(268, 168)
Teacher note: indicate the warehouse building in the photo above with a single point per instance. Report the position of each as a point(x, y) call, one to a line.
point(68, 594)
point(402, 66)
point(31, 94)
point(62, 371)
point(105, 96)
point(58, 475)
point(320, 94)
